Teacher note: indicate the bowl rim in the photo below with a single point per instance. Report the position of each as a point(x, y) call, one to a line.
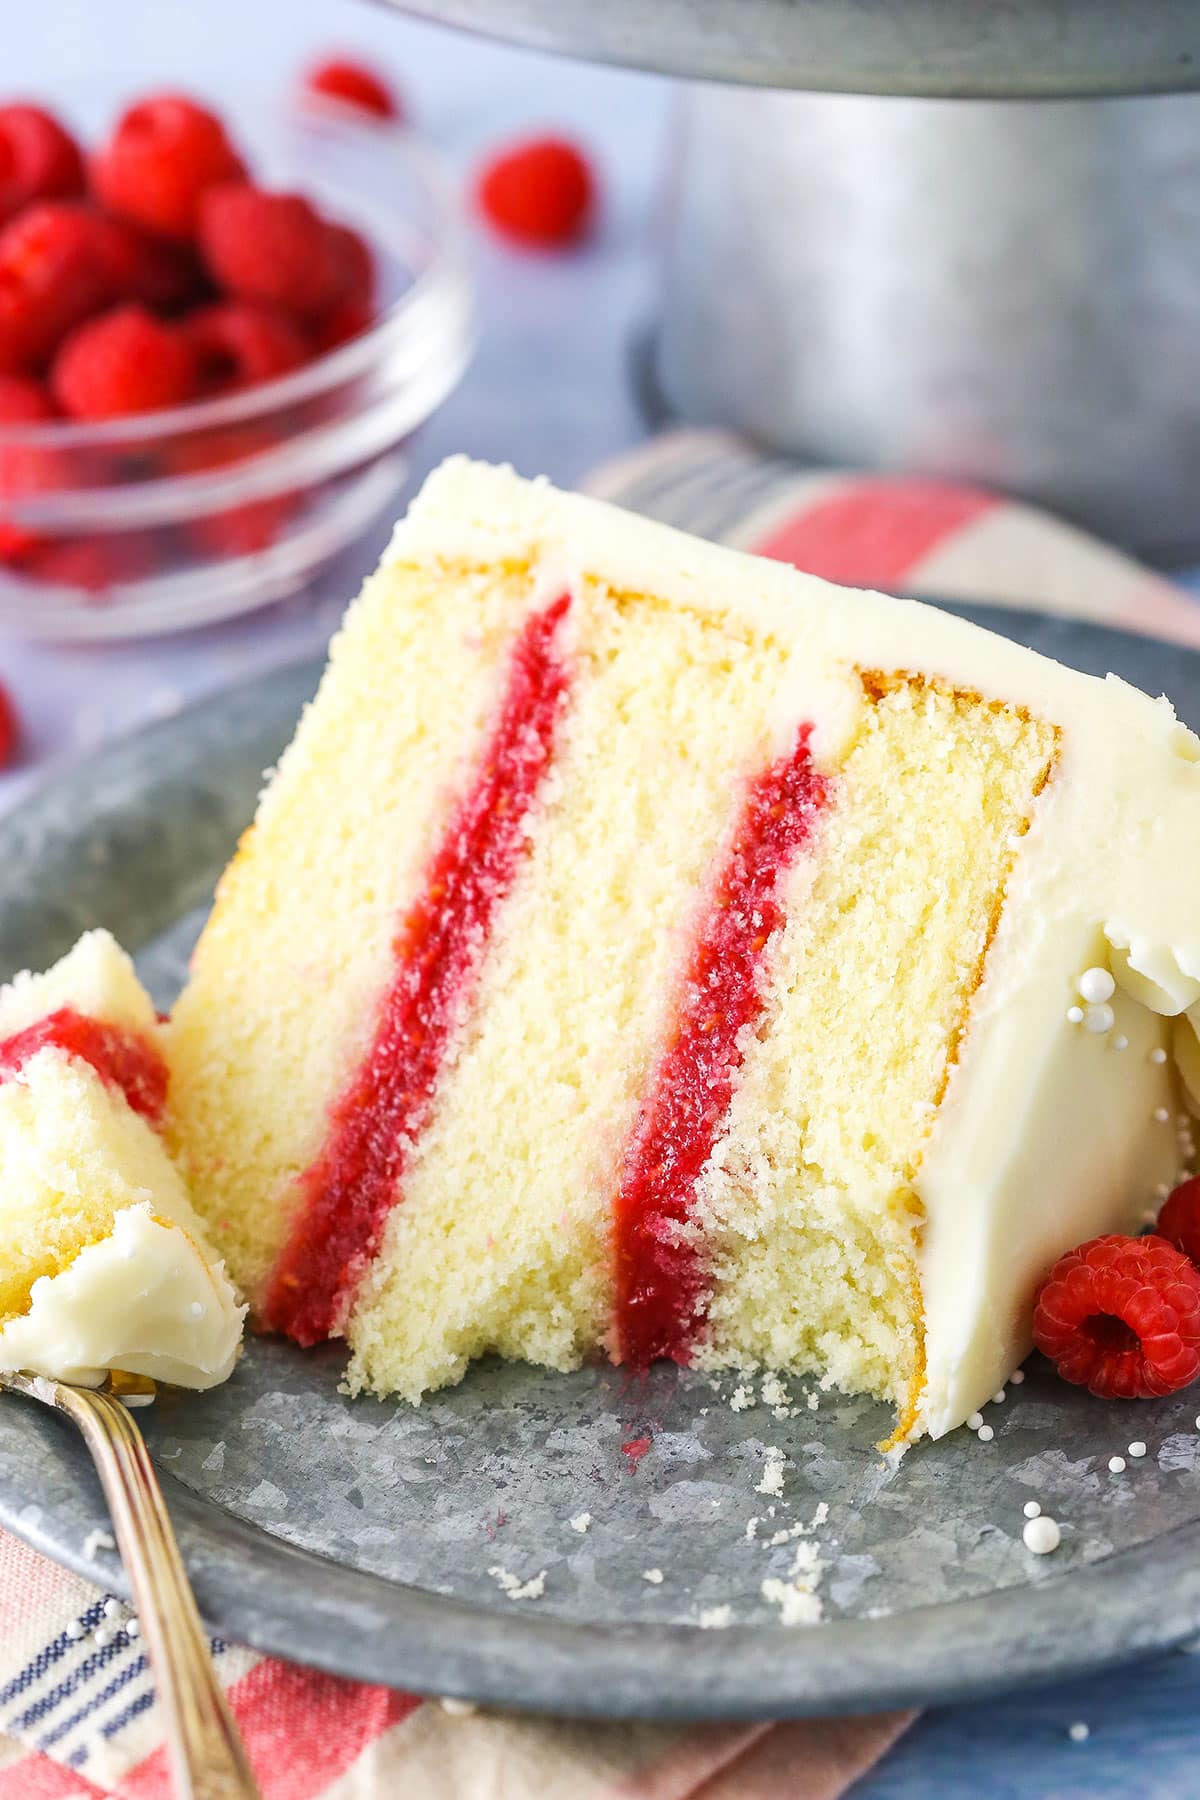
point(447, 267)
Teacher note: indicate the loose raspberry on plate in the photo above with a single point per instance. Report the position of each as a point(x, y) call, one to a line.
point(164, 155)
point(541, 192)
point(273, 248)
point(38, 159)
point(1179, 1220)
point(354, 85)
point(54, 271)
point(24, 468)
point(125, 361)
point(1121, 1317)
point(239, 343)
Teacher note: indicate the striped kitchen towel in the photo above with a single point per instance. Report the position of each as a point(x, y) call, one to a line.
point(77, 1713)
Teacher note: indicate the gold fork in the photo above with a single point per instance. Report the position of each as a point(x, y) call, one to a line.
point(208, 1759)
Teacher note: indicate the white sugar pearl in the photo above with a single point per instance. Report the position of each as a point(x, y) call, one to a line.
point(1099, 1019)
point(999, 1396)
point(1041, 1535)
point(112, 1609)
point(985, 1434)
point(1016, 1378)
point(1137, 1448)
point(103, 1637)
point(1161, 1116)
point(1079, 1733)
point(1116, 1464)
point(1097, 984)
point(974, 1421)
point(74, 1630)
point(132, 1628)
point(196, 1310)
point(1120, 1042)
point(1074, 1015)
point(1158, 1054)
point(1032, 1509)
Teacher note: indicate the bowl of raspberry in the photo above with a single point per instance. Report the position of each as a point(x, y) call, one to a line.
point(217, 339)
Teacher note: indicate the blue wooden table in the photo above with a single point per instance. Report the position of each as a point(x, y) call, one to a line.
point(549, 391)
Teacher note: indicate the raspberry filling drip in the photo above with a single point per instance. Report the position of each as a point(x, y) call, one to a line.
point(661, 1269)
point(349, 1191)
point(123, 1059)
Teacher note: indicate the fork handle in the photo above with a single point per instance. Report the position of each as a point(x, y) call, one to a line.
point(208, 1760)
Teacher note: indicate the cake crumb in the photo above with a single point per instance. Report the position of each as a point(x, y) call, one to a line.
point(96, 1541)
point(773, 1392)
point(741, 1399)
point(716, 1618)
point(514, 1587)
point(751, 1529)
point(772, 1475)
point(795, 1595)
point(581, 1522)
point(813, 1402)
point(653, 1576)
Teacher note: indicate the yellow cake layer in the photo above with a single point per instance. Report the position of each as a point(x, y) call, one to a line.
point(807, 1206)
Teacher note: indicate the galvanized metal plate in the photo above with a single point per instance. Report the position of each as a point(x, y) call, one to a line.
point(369, 1538)
point(965, 48)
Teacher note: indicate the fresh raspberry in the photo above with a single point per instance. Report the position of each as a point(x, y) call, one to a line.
point(1179, 1220)
point(54, 271)
point(163, 276)
point(541, 192)
point(239, 344)
point(354, 312)
point(126, 361)
point(274, 248)
point(164, 155)
point(10, 730)
point(24, 468)
point(352, 85)
point(94, 564)
point(38, 160)
point(1121, 1317)
point(242, 530)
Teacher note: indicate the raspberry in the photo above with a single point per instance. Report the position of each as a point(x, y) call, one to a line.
point(1179, 1220)
point(24, 468)
point(352, 85)
point(165, 277)
point(540, 192)
point(10, 729)
point(354, 312)
point(54, 271)
point(94, 564)
point(126, 361)
point(240, 530)
point(165, 153)
point(1121, 1317)
point(239, 344)
point(38, 160)
point(274, 248)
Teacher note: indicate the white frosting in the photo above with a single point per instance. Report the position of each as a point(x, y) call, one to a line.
point(1046, 1135)
point(144, 1299)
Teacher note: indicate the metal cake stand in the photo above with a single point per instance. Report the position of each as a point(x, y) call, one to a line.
point(967, 49)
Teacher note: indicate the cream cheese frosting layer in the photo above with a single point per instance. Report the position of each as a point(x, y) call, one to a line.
point(144, 1299)
point(1049, 1131)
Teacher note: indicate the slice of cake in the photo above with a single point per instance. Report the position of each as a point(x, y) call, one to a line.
point(103, 1262)
point(648, 947)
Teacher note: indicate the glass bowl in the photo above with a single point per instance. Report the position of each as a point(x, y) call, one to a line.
point(173, 519)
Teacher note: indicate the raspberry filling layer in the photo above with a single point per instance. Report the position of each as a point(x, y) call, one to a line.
point(350, 1190)
point(661, 1270)
point(123, 1059)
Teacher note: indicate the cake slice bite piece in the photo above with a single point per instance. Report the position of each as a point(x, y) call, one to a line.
point(103, 1261)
